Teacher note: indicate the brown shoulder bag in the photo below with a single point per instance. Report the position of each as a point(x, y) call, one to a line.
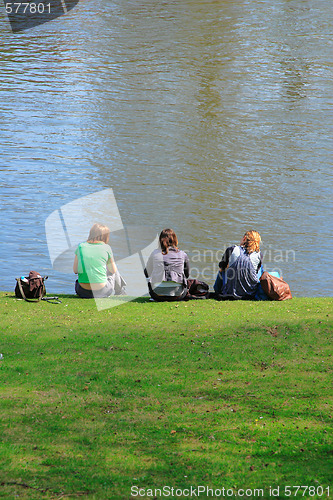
point(275, 288)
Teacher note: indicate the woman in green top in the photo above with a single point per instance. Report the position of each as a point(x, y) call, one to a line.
point(97, 272)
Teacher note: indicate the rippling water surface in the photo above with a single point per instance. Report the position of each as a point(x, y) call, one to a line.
point(211, 117)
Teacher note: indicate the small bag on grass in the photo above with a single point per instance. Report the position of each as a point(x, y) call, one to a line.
point(197, 290)
point(32, 288)
point(275, 288)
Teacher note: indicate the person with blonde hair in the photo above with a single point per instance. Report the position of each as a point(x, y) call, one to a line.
point(240, 269)
point(97, 272)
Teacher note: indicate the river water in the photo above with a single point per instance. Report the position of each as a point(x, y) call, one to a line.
point(211, 117)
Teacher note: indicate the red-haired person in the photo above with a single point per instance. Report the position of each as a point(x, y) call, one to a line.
point(240, 269)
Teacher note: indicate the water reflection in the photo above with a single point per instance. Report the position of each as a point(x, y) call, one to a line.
point(202, 116)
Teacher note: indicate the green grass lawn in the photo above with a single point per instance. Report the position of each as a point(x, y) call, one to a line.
point(233, 395)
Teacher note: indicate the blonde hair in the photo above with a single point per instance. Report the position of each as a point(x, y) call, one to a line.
point(252, 241)
point(98, 232)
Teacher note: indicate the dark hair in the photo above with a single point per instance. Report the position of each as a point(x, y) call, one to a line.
point(168, 239)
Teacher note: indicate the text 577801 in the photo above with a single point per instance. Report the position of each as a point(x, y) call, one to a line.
point(28, 8)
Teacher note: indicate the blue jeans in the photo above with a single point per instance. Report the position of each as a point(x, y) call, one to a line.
point(106, 291)
point(114, 284)
point(219, 282)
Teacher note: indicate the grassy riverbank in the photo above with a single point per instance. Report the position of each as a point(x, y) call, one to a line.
point(223, 394)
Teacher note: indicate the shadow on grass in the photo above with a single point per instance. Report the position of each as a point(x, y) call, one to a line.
point(118, 298)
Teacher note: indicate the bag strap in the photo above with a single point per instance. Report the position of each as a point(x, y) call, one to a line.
point(82, 261)
point(52, 300)
point(23, 294)
point(20, 287)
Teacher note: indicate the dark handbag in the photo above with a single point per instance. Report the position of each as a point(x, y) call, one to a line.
point(32, 288)
point(197, 290)
point(275, 288)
